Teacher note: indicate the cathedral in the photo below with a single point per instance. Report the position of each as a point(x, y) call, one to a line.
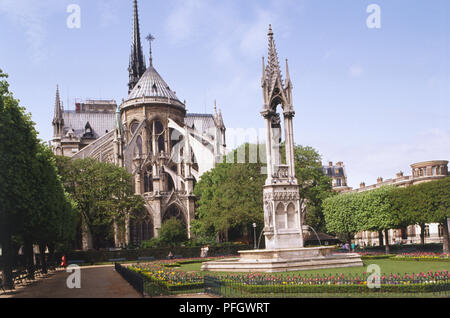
point(151, 135)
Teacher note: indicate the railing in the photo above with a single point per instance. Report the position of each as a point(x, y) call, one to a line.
point(134, 279)
point(320, 287)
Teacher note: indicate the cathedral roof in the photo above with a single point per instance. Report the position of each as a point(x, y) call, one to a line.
point(100, 123)
point(151, 84)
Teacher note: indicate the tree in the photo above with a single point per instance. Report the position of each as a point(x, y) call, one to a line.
point(103, 194)
point(230, 196)
point(340, 215)
point(172, 232)
point(376, 212)
point(18, 143)
point(435, 204)
point(34, 207)
point(314, 185)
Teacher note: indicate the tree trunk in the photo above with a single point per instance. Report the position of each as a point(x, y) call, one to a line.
point(445, 243)
point(380, 238)
point(422, 233)
point(28, 250)
point(42, 248)
point(8, 257)
point(386, 237)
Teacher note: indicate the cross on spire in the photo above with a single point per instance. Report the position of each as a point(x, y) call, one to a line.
point(150, 38)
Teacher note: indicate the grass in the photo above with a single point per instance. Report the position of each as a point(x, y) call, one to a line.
point(387, 267)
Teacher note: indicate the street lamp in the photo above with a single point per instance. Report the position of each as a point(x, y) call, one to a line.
point(254, 235)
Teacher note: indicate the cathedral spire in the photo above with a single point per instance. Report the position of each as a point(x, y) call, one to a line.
point(58, 121)
point(137, 65)
point(57, 112)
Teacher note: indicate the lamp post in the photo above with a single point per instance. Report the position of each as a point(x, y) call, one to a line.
point(254, 235)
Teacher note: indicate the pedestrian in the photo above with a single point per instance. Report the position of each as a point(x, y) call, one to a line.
point(353, 247)
point(170, 256)
point(63, 261)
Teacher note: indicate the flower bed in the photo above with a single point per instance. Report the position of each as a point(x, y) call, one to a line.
point(161, 279)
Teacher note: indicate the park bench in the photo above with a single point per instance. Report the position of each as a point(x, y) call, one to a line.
point(1, 285)
point(20, 275)
point(117, 260)
point(76, 262)
point(146, 259)
point(178, 256)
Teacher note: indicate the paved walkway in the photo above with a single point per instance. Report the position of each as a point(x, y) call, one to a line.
point(96, 282)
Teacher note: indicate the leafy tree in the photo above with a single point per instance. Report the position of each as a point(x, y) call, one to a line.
point(103, 194)
point(340, 215)
point(18, 143)
point(172, 232)
point(33, 209)
point(315, 186)
point(435, 205)
point(230, 196)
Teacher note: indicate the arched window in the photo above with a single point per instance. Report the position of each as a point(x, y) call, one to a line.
point(291, 216)
point(280, 216)
point(134, 126)
point(174, 212)
point(159, 135)
point(139, 146)
point(148, 180)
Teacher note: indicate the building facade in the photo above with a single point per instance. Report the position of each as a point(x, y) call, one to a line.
point(152, 135)
point(338, 176)
point(420, 172)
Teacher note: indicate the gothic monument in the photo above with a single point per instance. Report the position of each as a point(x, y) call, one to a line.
point(285, 250)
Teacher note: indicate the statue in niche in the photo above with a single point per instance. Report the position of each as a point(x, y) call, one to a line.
point(268, 215)
point(276, 141)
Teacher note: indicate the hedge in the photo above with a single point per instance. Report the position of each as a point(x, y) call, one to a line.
point(420, 259)
point(333, 289)
point(92, 257)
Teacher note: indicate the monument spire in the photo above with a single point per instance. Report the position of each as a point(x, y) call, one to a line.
point(137, 65)
point(273, 66)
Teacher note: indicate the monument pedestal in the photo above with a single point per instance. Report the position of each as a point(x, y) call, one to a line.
point(283, 260)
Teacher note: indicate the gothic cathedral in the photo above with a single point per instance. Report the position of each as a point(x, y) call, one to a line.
point(150, 134)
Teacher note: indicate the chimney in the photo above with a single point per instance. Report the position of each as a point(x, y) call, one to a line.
point(362, 185)
point(380, 180)
point(400, 174)
point(330, 163)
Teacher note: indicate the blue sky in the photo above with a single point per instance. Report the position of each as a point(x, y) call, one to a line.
point(376, 99)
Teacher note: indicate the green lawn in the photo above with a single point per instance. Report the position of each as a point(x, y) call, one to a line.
point(387, 267)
